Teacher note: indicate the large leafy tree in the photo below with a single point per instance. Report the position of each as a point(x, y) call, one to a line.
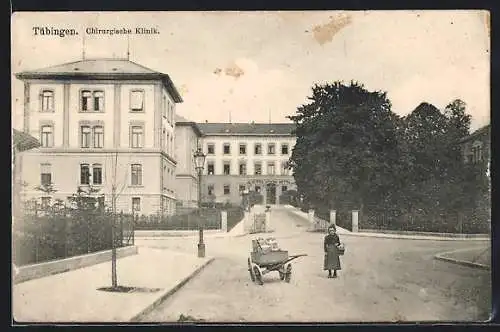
point(346, 146)
point(433, 168)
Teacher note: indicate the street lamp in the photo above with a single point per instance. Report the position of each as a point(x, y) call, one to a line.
point(244, 195)
point(199, 162)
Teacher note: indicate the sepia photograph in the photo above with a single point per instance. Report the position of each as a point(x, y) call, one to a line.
point(251, 167)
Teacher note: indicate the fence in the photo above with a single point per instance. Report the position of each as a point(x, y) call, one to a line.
point(459, 222)
point(189, 219)
point(343, 217)
point(49, 234)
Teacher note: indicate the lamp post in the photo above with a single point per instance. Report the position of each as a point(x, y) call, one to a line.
point(244, 195)
point(199, 161)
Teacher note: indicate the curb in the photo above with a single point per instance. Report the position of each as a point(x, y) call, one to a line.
point(442, 257)
point(169, 293)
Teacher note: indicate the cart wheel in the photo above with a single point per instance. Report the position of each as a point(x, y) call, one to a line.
point(258, 275)
point(288, 274)
point(252, 275)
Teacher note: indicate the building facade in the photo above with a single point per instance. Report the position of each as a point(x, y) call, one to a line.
point(102, 123)
point(251, 157)
point(476, 148)
point(187, 134)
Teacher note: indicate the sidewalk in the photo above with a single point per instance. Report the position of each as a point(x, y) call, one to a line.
point(158, 235)
point(478, 257)
point(74, 296)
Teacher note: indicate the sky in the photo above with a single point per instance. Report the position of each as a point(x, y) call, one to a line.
point(260, 66)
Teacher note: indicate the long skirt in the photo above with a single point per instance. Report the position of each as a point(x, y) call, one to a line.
point(332, 260)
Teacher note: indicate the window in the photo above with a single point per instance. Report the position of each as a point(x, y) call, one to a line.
point(136, 137)
point(47, 101)
point(164, 110)
point(258, 148)
point(98, 137)
point(97, 174)
point(163, 139)
point(284, 168)
point(227, 189)
point(284, 189)
point(227, 148)
point(136, 172)
point(227, 168)
point(257, 189)
point(137, 100)
point(211, 168)
point(271, 168)
point(84, 174)
point(85, 100)
point(242, 188)
point(243, 168)
point(258, 168)
point(136, 204)
point(284, 149)
point(210, 189)
point(172, 110)
point(243, 149)
point(271, 148)
point(210, 149)
point(47, 136)
point(98, 100)
point(45, 202)
point(45, 174)
point(92, 101)
point(85, 136)
point(477, 152)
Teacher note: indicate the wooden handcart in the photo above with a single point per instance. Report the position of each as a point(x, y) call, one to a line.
point(262, 262)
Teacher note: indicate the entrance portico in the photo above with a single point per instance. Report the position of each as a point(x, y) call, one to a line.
point(271, 189)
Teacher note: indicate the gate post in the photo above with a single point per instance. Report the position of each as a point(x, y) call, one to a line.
point(267, 226)
point(355, 221)
point(223, 215)
point(333, 217)
point(310, 216)
point(247, 221)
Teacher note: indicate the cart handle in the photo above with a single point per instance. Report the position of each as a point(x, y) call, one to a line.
point(296, 256)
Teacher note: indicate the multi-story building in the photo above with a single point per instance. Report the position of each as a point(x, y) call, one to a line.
point(102, 123)
point(243, 157)
point(476, 146)
point(187, 136)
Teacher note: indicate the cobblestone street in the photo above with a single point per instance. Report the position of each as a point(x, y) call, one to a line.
point(382, 280)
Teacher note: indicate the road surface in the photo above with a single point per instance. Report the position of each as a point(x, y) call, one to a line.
point(382, 280)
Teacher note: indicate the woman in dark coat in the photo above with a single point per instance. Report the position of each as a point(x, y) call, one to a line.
point(332, 260)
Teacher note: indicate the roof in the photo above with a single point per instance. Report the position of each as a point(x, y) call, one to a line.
point(182, 121)
point(24, 141)
point(483, 130)
point(101, 69)
point(259, 129)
